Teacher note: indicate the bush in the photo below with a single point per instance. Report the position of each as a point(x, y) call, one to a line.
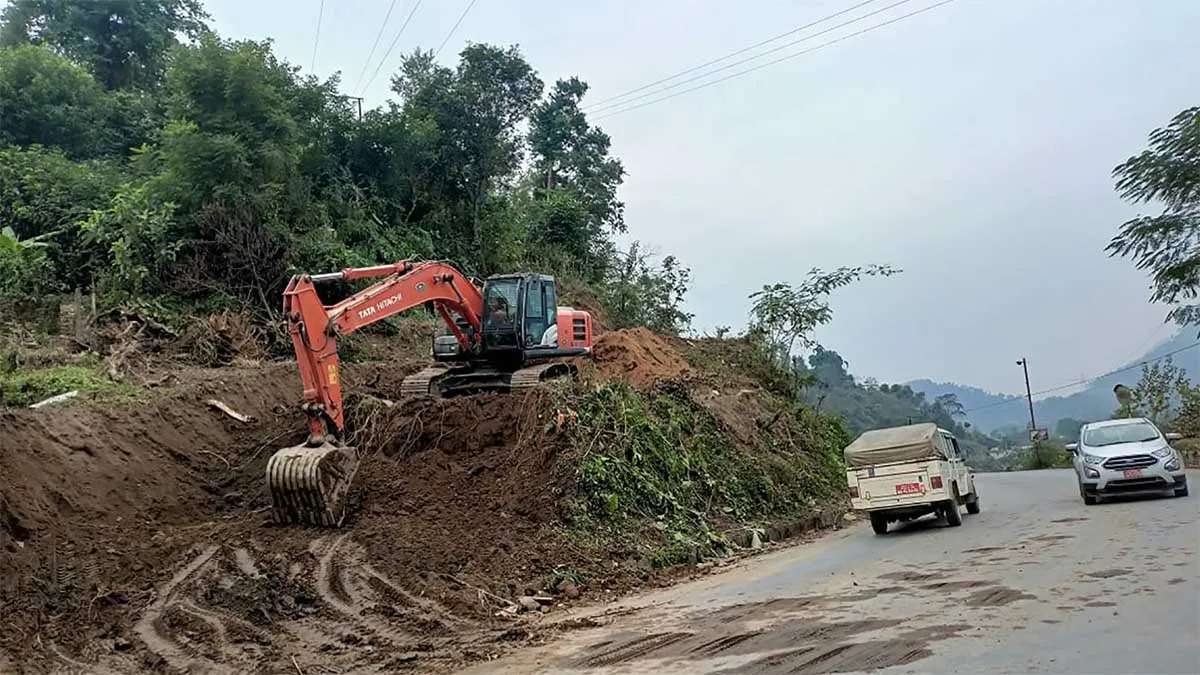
point(23, 388)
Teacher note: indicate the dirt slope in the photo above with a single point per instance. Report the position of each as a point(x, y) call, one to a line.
point(136, 537)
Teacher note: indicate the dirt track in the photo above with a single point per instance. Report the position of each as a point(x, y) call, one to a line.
point(1037, 583)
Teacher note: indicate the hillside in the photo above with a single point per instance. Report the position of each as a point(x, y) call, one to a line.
point(991, 412)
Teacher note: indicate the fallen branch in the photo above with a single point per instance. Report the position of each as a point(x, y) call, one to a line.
point(297, 665)
point(214, 403)
point(59, 398)
point(483, 593)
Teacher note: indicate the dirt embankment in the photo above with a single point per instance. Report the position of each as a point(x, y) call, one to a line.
point(137, 538)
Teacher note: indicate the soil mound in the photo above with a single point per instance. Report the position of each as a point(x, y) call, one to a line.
point(639, 356)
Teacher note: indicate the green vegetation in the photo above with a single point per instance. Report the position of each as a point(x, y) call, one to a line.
point(176, 173)
point(1166, 245)
point(26, 387)
point(660, 457)
point(1047, 455)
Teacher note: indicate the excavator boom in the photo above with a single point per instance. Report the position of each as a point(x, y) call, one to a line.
point(309, 482)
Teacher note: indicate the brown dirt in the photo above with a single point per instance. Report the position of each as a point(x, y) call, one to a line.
point(136, 537)
point(639, 356)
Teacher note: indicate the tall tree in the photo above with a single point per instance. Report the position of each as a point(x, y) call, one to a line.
point(1167, 245)
point(572, 165)
point(123, 42)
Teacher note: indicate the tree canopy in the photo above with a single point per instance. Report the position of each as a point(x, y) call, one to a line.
point(1168, 244)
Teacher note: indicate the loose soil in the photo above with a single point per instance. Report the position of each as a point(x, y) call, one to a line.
point(137, 538)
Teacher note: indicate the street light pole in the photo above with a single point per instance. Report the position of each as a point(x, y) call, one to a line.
point(1024, 363)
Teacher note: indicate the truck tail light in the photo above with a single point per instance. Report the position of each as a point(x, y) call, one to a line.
point(854, 492)
point(935, 482)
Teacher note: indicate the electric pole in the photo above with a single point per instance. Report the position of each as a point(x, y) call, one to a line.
point(357, 99)
point(1024, 363)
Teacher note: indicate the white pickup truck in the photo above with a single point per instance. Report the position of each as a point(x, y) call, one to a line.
point(902, 473)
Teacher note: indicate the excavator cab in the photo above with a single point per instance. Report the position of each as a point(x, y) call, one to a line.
point(519, 311)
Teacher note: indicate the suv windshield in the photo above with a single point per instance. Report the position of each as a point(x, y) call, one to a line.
point(1136, 432)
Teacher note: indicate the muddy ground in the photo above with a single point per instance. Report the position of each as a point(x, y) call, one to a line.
point(136, 537)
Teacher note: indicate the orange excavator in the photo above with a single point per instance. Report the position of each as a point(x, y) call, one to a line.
point(505, 334)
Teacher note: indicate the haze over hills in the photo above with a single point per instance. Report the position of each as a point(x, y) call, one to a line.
point(989, 412)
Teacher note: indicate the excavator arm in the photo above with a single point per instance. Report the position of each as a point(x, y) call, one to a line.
point(315, 327)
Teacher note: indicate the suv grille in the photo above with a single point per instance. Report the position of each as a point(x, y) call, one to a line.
point(1130, 462)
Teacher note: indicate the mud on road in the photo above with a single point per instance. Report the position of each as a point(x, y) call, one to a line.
point(1037, 583)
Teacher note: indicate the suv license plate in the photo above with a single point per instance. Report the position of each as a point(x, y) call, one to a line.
point(909, 489)
point(1133, 473)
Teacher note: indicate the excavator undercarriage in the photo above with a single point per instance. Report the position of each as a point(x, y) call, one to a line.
point(508, 335)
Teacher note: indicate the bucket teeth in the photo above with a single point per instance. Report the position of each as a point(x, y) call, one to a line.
point(308, 485)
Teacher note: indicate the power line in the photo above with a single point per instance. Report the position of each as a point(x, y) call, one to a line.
point(730, 55)
point(781, 59)
point(317, 38)
point(455, 27)
point(701, 76)
point(1021, 399)
point(386, 17)
point(392, 45)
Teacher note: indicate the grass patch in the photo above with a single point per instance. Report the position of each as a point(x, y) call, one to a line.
point(26, 387)
point(657, 463)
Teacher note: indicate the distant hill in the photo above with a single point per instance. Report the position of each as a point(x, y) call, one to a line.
point(990, 412)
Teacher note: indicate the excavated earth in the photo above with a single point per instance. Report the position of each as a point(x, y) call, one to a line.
point(136, 538)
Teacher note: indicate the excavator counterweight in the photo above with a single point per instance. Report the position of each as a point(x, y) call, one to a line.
point(508, 334)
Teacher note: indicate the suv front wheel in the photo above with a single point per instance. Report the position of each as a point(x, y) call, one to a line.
point(1089, 500)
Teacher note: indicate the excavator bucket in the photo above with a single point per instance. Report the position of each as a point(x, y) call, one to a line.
point(308, 483)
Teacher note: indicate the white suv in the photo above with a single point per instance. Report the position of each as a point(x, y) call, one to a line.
point(1126, 456)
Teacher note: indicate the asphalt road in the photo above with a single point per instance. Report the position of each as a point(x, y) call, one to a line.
point(1036, 583)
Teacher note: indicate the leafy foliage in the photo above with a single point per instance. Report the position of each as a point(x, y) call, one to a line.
point(25, 388)
point(787, 315)
point(1162, 394)
point(639, 295)
point(220, 169)
point(660, 457)
point(1168, 245)
point(124, 43)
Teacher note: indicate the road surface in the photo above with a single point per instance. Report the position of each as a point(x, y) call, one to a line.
point(1036, 583)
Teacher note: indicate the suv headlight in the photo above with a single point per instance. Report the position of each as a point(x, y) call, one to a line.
point(1091, 459)
point(1164, 453)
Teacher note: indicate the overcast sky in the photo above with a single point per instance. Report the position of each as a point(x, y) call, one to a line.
point(970, 145)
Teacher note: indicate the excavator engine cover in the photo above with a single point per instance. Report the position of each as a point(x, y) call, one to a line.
point(308, 483)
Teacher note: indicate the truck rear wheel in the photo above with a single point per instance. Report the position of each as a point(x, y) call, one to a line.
point(879, 522)
point(953, 515)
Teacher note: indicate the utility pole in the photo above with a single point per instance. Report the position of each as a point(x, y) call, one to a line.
point(359, 100)
point(1024, 363)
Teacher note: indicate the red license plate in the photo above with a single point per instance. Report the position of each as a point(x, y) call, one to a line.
point(1133, 473)
point(909, 489)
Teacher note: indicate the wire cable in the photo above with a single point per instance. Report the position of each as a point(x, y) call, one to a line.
point(748, 59)
point(317, 39)
point(828, 43)
point(731, 54)
point(455, 27)
point(392, 46)
point(1021, 399)
point(386, 17)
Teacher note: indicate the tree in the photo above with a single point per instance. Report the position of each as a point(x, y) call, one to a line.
point(1167, 245)
point(787, 315)
point(948, 405)
point(638, 294)
point(1158, 393)
point(124, 43)
point(47, 100)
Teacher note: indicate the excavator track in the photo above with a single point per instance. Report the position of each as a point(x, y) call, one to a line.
point(444, 382)
point(308, 484)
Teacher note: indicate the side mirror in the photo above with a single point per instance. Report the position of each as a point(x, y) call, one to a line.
point(1072, 448)
point(1172, 436)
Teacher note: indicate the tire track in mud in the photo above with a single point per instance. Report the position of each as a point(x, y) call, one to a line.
point(148, 626)
point(327, 606)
